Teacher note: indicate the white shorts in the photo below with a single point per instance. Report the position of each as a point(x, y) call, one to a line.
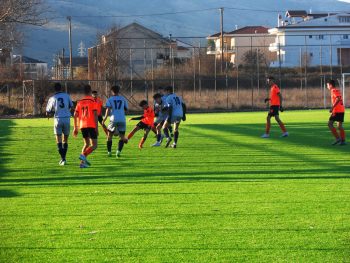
point(117, 127)
point(61, 125)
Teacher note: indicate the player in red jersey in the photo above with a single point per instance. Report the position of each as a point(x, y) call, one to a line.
point(275, 106)
point(338, 112)
point(99, 112)
point(86, 119)
point(146, 122)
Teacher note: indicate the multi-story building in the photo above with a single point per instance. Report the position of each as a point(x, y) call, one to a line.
point(240, 41)
point(30, 68)
point(311, 39)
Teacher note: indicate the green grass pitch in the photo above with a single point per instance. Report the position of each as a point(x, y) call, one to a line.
point(223, 195)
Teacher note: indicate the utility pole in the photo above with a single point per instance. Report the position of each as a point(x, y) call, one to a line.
point(63, 64)
point(70, 46)
point(222, 37)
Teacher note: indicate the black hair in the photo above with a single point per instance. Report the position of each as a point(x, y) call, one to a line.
point(331, 82)
point(157, 95)
point(115, 89)
point(87, 89)
point(57, 87)
point(169, 89)
point(143, 103)
point(270, 78)
point(94, 92)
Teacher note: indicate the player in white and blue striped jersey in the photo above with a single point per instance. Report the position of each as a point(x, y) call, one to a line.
point(59, 105)
point(176, 112)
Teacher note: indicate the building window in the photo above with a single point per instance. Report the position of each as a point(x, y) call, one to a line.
point(311, 54)
point(345, 36)
point(320, 37)
point(310, 36)
point(344, 19)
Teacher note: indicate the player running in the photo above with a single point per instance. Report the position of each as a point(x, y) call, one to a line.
point(86, 119)
point(338, 112)
point(100, 107)
point(60, 105)
point(146, 123)
point(159, 106)
point(176, 112)
point(116, 107)
point(275, 106)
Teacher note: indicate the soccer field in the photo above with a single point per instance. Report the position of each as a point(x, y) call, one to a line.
point(223, 195)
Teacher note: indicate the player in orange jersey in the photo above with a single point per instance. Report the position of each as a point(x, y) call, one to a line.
point(99, 112)
point(86, 119)
point(275, 106)
point(146, 122)
point(338, 112)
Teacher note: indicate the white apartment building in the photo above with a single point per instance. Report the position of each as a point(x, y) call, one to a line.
point(311, 39)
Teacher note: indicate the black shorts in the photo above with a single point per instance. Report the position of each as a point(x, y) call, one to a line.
point(143, 125)
point(89, 133)
point(100, 119)
point(338, 116)
point(274, 110)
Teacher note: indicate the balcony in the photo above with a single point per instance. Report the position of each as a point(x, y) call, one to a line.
point(216, 50)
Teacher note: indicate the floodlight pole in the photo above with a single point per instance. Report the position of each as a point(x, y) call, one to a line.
point(70, 46)
point(222, 37)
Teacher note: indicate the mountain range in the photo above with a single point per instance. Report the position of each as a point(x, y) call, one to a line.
point(181, 18)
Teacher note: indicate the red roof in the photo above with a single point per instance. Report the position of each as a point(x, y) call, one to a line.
point(250, 30)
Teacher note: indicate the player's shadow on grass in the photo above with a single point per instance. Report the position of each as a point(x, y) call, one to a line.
point(7, 193)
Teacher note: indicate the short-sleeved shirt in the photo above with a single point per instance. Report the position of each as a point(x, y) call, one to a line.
point(85, 110)
point(175, 103)
point(274, 96)
point(339, 108)
point(99, 103)
point(118, 105)
point(60, 104)
point(148, 116)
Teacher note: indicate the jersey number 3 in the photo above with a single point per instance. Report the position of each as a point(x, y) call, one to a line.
point(61, 102)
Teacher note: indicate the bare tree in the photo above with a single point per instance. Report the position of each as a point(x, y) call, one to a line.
point(13, 14)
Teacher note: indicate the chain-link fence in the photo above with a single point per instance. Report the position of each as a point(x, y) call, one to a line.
point(207, 75)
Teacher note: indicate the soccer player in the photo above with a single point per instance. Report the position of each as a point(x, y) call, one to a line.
point(164, 94)
point(146, 122)
point(99, 112)
point(176, 112)
point(159, 106)
point(275, 106)
point(86, 119)
point(60, 105)
point(338, 112)
point(116, 107)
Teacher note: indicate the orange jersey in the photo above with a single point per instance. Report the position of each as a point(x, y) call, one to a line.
point(274, 96)
point(339, 108)
point(85, 111)
point(148, 116)
point(99, 103)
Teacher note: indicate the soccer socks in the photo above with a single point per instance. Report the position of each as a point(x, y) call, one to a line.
point(65, 149)
point(88, 151)
point(120, 145)
point(334, 132)
point(342, 134)
point(159, 137)
point(283, 128)
point(166, 132)
point(268, 126)
point(109, 146)
point(176, 136)
point(131, 134)
point(60, 149)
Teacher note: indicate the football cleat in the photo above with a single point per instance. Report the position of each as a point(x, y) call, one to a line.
point(285, 134)
point(83, 165)
point(173, 145)
point(109, 154)
point(168, 140)
point(265, 135)
point(83, 158)
point(118, 153)
point(62, 162)
point(156, 144)
point(337, 141)
point(342, 143)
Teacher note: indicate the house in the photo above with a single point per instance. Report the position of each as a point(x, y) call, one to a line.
point(311, 39)
point(132, 50)
point(30, 68)
point(240, 41)
point(5, 57)
point(61, 68)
